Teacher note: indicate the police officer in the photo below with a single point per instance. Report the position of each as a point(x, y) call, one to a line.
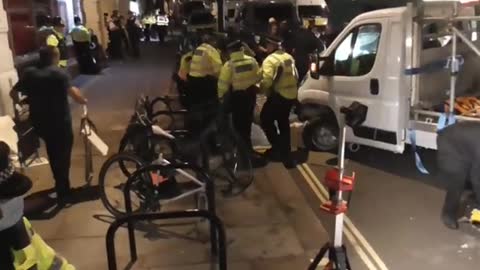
point(204, 71)
point(279, 83)
point(202, 82)
point(57, 39)
point(45, 29)
point(239, 77)
point(81, 41)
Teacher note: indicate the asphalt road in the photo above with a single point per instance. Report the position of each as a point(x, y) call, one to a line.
point(395, 213)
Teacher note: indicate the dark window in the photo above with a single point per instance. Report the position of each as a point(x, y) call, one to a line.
point(278, 11)
point(356, 54)
point(310, 11)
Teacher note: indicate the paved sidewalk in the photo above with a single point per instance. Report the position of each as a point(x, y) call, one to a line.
point(270, 227)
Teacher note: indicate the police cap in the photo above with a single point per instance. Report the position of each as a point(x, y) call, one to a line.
point(58, 21)
point(77, 20)
point(234, 45)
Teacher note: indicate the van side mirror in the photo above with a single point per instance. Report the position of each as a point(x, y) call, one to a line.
point(321, 65)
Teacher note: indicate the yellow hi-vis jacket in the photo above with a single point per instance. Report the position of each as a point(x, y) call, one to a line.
point(206, 61)
point(38, 254)
point(240, 73)
point(58, 40)
point(80, 34)
point(280, 75)
point(184, 68)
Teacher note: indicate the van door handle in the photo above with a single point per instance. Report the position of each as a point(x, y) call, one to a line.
point(374, 87)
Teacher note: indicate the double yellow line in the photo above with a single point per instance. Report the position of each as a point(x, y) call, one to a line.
point(358, 241)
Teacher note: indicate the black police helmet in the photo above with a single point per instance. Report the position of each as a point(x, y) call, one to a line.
point(12, 184)
point(58, 21)
point(77, 20)
point(43, 20)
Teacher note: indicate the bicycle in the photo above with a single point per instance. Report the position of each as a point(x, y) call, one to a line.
point(146, 142)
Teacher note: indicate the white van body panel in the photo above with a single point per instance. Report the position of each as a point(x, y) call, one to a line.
point(400, 47)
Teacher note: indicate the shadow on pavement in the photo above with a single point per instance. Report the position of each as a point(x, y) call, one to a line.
point(39, 206)
point(153, 231)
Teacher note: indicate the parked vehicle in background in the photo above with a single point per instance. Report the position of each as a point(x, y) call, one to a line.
point(399, 63)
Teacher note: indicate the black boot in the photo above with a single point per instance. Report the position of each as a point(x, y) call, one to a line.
point(258, 161)
point(273, 155)
point(450, 210)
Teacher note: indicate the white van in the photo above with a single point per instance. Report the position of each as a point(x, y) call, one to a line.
point(385, 60)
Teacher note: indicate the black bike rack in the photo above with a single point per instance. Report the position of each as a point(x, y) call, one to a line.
point(217, 231)
point(215, 222)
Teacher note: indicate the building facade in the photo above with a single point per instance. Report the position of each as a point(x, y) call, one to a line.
point(18, 46)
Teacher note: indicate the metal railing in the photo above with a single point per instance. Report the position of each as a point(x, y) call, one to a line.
point(217, 231)
point(215, 222)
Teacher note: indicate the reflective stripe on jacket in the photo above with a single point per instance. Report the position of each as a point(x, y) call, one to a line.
point(240, 73)
point(279, 74)
point(38, 254)
point(206, 61)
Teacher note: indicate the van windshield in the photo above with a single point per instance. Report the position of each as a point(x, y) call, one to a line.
point(278, 11)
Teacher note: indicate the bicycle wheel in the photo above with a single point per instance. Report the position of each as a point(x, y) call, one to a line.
point(112, 181)
point(236, 168)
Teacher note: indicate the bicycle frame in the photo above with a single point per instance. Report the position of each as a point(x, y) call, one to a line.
point(208, 188)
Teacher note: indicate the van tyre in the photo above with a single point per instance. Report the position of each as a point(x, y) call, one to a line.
point(321, 135)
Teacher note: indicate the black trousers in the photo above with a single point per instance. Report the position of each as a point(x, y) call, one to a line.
point(15, 237)
point(59, 143)
point(242, 107)
point(134, 43)
point(85, 58)
point(202, 100)
point(277, 110)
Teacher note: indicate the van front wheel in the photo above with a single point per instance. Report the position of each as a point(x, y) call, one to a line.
point(321, 135)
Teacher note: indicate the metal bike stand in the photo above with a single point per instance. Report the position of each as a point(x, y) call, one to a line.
point(209, 190)
point(215, 222)
point(86, 126)
point(338, 184)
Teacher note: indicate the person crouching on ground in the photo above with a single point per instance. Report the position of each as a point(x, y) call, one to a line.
point(458, 159)
point(20, 247)
point(13, 235)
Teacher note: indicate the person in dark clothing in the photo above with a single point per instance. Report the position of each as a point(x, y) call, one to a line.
point(47, 88)
point(116, 36)
point(286, 34)
point(458, 161)
point(302, 50)
point(133, 30)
